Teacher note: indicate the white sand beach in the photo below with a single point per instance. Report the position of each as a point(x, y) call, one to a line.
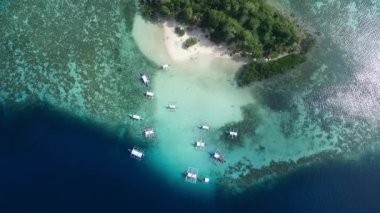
point(162, 45)
point(174, 42)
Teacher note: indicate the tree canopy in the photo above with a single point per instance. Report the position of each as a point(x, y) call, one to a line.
point(249, 26)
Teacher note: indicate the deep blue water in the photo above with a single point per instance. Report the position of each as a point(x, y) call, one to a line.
point(50, 162)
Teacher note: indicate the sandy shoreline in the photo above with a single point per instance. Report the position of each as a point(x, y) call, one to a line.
point(173, 44)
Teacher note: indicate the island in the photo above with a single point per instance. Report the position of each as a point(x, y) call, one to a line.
point(251, 29)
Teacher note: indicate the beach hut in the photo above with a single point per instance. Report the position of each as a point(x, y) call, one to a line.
point(144, 78)
point(136, 153)
point(191, 175)
point(149, 132)
point(199, 144)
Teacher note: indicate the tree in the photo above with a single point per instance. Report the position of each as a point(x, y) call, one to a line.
point(165, 10)
point(186, 15)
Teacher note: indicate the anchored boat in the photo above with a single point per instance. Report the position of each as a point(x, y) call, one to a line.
point(136, 153)
point(149, 94)
point(171, 107)
point(206, 180)
point(204, 127)
point(135, 117)
point(232, 133)
point(200, 144)
point(165, 66)
point(191, 175)
point(144, 79)
point(149, 132)
point(218, 157)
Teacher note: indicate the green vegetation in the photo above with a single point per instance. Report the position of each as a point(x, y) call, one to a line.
point(306, 44)
point(179, 31)
point(256, 71)
point(190, 42)
point(249, 27)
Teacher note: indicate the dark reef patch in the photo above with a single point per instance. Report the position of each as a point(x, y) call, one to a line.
point(245, 128)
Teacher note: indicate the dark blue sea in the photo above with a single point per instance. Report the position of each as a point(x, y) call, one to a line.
point(51, 162)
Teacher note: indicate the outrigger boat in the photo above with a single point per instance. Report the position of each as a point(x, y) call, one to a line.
point(200, 144)
point(149, 94)
point(171, 107)
point(136, 153)
point(191, 175)
point(204, 127)
point(165, 66)
point(232, 133)
point(144, 79)
point(135, 117)
point(149, 132)
point(218, 157)
point(206, 180)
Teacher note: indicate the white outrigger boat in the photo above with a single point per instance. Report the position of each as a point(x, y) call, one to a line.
point(149, 94)
point(136, 153)
point(200, 144)
point(144, 79)
point(191, 175)
point(218, 157)
point(171, 107)
point(232, 133)
point(206, 180)
point(135, 117)
point(149, 132)
point(204, 127)
point(165, 66)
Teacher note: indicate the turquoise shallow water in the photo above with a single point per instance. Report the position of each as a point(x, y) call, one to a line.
point(83, 59)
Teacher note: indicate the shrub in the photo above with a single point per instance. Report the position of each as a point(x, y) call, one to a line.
point(190, 42)
point(179, 31)
point(263, 70)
